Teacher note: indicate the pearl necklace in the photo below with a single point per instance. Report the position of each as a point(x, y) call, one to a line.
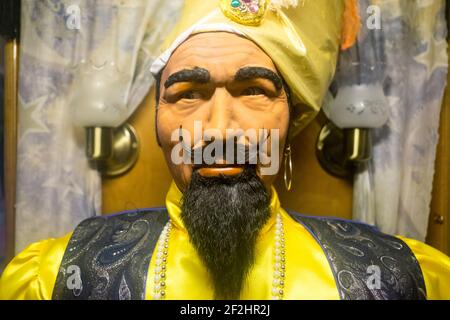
point(160, 264)
point(280, 261)
point(279, 268)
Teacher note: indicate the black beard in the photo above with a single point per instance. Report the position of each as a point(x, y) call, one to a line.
point(223, 216)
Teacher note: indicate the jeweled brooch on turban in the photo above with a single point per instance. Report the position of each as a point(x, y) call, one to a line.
point(247, 12)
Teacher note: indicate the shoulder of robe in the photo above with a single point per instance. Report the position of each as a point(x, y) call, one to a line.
point(107, 257)
point(31, 275)
point(359, 254)
point(435, 267)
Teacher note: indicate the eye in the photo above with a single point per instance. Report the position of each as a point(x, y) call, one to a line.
point(253, 91)
point(190, 95)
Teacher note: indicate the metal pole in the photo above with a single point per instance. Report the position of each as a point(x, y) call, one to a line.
point(10, 30)
point(10, 136)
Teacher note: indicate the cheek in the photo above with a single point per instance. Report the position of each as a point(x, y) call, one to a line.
point(275, 117)
point(167, 125)
point(181, 173)
point(169, 122)
point(164, 126)
point(283, 118)
point(280, 120)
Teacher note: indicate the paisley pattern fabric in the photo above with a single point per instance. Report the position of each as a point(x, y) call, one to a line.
point(110, 257)
point(356, 251)
point(113, 254)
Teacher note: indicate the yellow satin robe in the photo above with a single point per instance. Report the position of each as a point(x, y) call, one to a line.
point(32, 273)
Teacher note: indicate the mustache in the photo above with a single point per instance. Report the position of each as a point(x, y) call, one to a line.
point(241, 153)
point(238, 152)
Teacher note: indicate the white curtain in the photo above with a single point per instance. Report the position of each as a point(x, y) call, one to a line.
point(393, 191)
point(56, 189)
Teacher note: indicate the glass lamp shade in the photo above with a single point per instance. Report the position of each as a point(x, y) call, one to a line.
point(358, 106)
point(99, 96)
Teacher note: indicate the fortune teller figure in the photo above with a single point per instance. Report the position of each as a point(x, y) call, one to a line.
point(234, 66)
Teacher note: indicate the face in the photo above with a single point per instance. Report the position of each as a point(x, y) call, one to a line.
point(214, 86)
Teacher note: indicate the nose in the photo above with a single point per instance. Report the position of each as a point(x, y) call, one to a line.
point(220, 114)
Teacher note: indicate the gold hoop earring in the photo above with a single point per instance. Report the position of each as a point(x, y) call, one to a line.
point(288, 166)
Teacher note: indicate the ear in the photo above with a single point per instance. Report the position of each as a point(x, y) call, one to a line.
point(157, 89)
point(297, 113)
point(158, 141)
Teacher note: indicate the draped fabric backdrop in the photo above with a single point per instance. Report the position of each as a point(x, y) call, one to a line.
point(56, 189)
point(394, 190)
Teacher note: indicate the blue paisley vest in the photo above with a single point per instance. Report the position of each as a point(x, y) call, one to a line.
point(113, 255)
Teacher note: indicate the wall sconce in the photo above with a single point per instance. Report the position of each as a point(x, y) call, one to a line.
point(99, 104)
point(355, 105)
point(354, 111)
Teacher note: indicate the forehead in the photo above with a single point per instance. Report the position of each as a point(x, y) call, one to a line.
point(221, 53)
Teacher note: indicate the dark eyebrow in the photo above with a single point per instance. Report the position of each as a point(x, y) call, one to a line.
point(197, 74)
point(249, 73)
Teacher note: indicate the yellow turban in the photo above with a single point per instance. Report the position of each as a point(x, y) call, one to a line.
point(302, 37)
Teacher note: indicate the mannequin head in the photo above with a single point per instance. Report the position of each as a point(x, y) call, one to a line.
point(219, 83)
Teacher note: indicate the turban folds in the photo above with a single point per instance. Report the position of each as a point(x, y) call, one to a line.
point(303, 39)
